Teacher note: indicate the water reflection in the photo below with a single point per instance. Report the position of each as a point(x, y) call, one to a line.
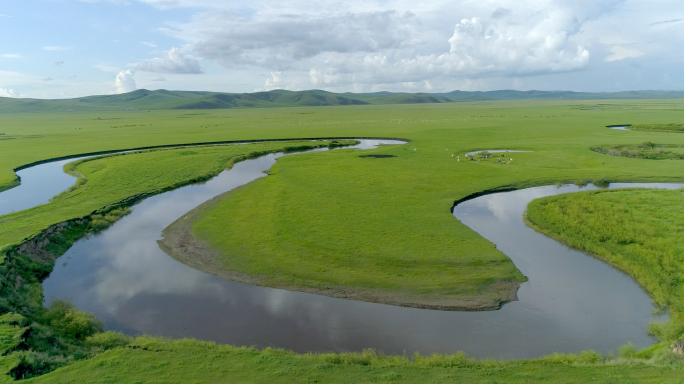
point(38, 185)
point(42, 182)
point(572, 302)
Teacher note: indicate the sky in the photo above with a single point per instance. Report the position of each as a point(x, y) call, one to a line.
point(74, 48)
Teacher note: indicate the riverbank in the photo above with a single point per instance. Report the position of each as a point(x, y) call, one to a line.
point(636, 230)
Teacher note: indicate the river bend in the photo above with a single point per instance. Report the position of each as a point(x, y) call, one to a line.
point(572, 301)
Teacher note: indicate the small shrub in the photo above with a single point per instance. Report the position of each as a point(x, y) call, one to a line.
point(70, 322)
point(601, 183)
point(108, 340)
point(591, 357)
point(628, 351)
point(666, 331)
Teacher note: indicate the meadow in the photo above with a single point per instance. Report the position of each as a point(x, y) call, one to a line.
point(150, 360)
point(646, 150)
point(671, 127)
point(335, 221)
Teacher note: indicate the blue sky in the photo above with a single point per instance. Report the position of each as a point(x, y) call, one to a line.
point(72, 48)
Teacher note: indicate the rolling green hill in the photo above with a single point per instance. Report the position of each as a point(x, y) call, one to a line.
point(143, 99)
point(562, 95)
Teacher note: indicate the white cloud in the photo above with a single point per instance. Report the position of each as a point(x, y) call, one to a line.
point(546, 45)
point(273, 82)
point(546, 42)
point(149, 44)
point(56, 48)
point(124, 82)
point(2, 15)
point(394, 41)
point(12, 56)
point(279, 42)
point(370, 45)
point(620, 53)
point(173, 61)
point(7, 93)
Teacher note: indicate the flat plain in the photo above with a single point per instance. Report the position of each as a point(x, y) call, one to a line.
point(335, 221)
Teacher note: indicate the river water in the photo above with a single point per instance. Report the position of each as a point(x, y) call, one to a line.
point(38, 185)
point(571, 303)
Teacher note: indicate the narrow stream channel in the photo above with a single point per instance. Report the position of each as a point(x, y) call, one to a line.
point(572, 302)
point(38, 185)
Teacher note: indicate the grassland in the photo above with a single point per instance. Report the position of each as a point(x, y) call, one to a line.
point(125, 179)
point(646, 150)
point(336, 202)
point(299, 229)
point(671, 127)
point(639, 231)
point(149, 360)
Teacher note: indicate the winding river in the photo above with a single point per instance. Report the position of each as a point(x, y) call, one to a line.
point(571, 303)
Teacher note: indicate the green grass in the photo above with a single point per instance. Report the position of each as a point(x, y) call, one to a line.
point(11, 335)
point(639, 231)
point(150, 360)
point(336, 222)
point(671, 127)
point(119, 178)
point(387, 215)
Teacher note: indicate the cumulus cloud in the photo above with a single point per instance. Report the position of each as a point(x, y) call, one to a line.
point(273, 82)
point(173, 61)
point(495, 46)
point(7, 93)
point(499, 46)
point(620, 53)
point(149, 44)
point(440, 45)
point(338, 45)
point(124, 82)
point(279, 42)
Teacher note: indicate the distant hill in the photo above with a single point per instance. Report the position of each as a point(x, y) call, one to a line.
point(559, 95)
point(143, 99)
